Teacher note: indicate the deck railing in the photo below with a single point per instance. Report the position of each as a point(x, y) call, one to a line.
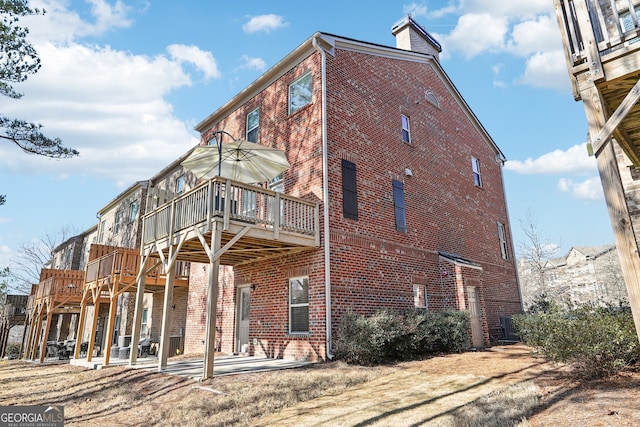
point(235, 201)
point(615, 24)
point(125, 263)
point(67, 285)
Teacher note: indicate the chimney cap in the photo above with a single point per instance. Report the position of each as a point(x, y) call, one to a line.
point(409, 21)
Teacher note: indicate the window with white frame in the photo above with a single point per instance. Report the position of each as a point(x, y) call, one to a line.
point(276, 184)
point(144, 329)
point(406, 133)
point(253, 123)
point(300, 93)
point(502, 236)
point(420, 296)
point(180, 184)
point(299, 305)
point(475, 167)
point(103, 225)
point(133, 210)
point(118, 222)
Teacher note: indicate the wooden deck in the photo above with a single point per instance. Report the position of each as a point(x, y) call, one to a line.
point(255, 223)
point(601, 41)
point(58, 292)
point(602, 49)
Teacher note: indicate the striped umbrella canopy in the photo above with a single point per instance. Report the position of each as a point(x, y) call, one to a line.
point(239, 160)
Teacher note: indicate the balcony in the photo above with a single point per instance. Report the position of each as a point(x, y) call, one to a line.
point(602, 48)
point(59, 288)
point(254, 223)
point(116, 269)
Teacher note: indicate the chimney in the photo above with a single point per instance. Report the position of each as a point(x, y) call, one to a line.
point(411, 36)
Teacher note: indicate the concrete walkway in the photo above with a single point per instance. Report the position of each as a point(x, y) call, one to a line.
point(223, 365)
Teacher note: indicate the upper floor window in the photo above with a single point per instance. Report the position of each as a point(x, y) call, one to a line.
point(276, 184)
point(502, 236)
point(103, 224)
point(399, 206)
point(300, 93)
point(253, 123)
point(299, 305)
point(406, 133)
point(349, 190)
point(475, 166)
point(180, 184)
point(133, 210)
point(116, 226)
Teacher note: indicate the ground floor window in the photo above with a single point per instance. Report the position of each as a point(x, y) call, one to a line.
point(299, 305)
point(420, 296)
point(144, 329)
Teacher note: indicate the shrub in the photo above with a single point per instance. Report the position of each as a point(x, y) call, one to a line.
point(12, 351)
point(596, 341)
point(391, 335)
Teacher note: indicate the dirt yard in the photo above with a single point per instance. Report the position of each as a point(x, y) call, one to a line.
point(503, 386)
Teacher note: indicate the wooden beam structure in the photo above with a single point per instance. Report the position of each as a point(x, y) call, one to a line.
point(222, 222)
point(601, 40)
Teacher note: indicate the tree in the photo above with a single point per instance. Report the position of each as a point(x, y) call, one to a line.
point(18, 59)
point(534, 254)
point(32, 257)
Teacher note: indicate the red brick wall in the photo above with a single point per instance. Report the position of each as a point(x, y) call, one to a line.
point(373, 265)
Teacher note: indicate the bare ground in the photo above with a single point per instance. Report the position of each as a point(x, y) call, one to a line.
point(502, 386)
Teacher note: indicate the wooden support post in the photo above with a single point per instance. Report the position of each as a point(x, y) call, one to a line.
point(166, 313)
point(80, 330)
point(113, 304)
point(212, 303)
point(616, 204)
point(94, 325)
point(137, 313)
point(45, 336)
point(37, 333)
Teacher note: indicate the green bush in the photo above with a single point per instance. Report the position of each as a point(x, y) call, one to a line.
point(390, 335)
point(13, 350)
point(596, 341)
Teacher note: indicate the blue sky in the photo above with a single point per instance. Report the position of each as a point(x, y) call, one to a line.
point(125, 83)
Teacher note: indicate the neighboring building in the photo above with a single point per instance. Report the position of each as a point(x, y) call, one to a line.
point(13, 311)
point(410, 193)
point(585, 274)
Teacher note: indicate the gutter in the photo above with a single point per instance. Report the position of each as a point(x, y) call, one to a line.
point(325, 195)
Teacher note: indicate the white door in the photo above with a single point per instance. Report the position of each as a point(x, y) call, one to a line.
point(242, 341)
point(475, 314)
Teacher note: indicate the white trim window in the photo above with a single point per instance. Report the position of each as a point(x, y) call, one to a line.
point(180, 184)
point(502, 236)
point(406, 132)
point(299, 305)
point(133, 210)
point(253, 124)
point(144, 327)
point(118, 222)
point(300, 93)
point(420, 299)
point(475, 167)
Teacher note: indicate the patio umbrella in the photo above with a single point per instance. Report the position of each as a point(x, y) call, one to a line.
point(238, 160)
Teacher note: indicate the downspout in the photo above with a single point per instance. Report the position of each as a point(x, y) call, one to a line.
point(325, 196)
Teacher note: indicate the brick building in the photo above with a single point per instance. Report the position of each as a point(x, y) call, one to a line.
point(410, 196)
point(584, 274)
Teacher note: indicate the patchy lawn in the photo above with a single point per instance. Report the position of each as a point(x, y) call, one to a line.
point(503, 386)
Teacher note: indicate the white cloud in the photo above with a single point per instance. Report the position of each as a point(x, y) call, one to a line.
point(534, 35)
point(264, 23)
point(61, 25)
point(108, 104)
point(466, 38)
point(253, 63)
point(589, 189)
point(202, 60)
point(415, 9)
point(575, 160)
